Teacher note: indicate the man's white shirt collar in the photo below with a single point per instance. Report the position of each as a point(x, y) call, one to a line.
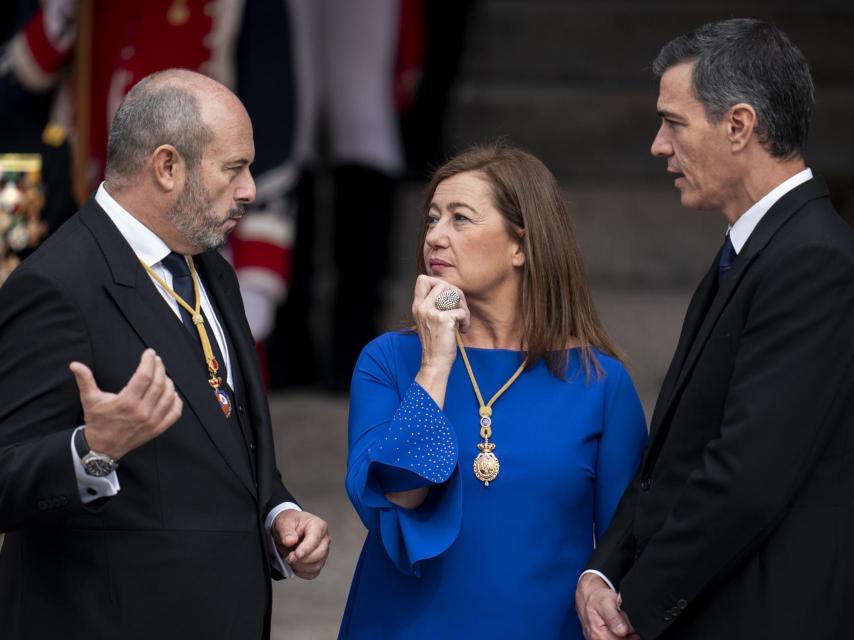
point(145, 243)
point(744, 226)
point(150, 249)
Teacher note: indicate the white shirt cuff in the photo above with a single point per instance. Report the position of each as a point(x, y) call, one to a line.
point(600, 574)
point(90, 487)
point(276, 558)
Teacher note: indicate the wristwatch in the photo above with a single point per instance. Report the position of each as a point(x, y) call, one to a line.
point(95, 464)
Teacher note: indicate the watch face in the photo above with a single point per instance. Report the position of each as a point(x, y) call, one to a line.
point(98, 466)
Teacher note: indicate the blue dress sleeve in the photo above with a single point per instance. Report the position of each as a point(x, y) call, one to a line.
point(395, 444)
point(621, 445)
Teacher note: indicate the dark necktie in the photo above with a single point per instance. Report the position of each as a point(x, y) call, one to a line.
point(728, 255)
point(182, 284)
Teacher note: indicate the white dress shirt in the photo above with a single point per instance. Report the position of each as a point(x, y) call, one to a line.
point(744, 226)
point(150, 249)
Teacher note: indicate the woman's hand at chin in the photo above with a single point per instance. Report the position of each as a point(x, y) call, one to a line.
point(436, 330)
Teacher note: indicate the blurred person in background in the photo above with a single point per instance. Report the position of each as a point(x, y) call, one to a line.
point(71, 62)
point(373, 80)
point(345, 53)
point(490, 444)
point(35, 178)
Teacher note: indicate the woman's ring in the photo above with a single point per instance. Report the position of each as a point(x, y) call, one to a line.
point(447, 300)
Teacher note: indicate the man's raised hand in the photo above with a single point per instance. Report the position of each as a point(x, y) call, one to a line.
point(117, 423)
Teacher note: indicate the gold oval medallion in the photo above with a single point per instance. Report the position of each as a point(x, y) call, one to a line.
point(486, 465)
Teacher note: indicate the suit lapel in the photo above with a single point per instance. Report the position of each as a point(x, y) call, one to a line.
point(694, 316)
point(157, 326)
point(212, 271)
point(221, 285)
point(775, 218)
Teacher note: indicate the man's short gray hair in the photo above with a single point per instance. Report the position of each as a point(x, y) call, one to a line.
point(154, 112)
point(754, 62)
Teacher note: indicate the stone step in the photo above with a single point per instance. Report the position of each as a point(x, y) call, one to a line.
point(310, 432)
point(608, 41)
point(641, 237)
point(604, 134)
point(646, 326)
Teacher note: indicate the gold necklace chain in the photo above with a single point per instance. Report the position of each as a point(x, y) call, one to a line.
point(199, 322)
point(486, 465)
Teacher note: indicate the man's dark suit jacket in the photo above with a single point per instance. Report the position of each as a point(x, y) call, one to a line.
point(740, 522)
point(181, 551)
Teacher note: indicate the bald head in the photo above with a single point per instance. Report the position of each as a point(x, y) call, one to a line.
point(167, 107)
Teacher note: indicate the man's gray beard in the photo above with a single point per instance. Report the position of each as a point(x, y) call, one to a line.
point(190, 215)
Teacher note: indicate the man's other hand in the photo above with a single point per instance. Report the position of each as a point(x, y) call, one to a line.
point(305, 538)
point(117, 423)
point(601, 618)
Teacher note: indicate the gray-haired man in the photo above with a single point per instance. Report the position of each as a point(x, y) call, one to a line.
point(740, 521)
point(181, 537)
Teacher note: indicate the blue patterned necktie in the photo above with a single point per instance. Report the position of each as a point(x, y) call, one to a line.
point(728, 255)
point(182, 284)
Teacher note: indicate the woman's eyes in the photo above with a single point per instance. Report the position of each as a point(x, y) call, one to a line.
point(432, 218)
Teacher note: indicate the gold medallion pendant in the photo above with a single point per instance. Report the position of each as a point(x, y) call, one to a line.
point(486, 465)
point(215, 382)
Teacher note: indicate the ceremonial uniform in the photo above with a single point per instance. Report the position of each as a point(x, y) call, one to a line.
point(119, 43)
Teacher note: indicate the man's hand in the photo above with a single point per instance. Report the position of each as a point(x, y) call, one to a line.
point(601, 618)
point(117, 423)
point(305, 538)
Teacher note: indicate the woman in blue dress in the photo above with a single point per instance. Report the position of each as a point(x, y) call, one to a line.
point(490, 445)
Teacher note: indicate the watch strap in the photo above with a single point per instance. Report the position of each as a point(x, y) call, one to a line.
point(94, 464)
point(80, 444)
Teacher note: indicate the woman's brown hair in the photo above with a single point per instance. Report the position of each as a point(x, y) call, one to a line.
point(555, 299)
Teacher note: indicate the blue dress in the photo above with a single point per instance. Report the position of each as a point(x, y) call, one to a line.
point(473, 561)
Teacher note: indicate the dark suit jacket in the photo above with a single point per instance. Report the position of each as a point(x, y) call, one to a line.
point(740, 522)
point(180, 552)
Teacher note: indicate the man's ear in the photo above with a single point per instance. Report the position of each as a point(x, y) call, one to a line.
point(740, 124)
point(168, 167)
